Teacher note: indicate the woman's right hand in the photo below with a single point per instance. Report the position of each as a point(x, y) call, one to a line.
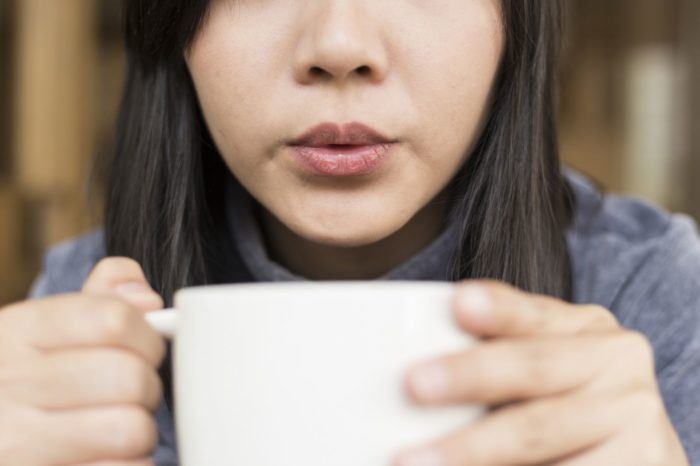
point(78, 374)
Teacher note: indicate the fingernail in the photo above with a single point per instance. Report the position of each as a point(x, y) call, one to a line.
point(133, 288)
point(423, 456)
point(474, 302)
point(431, 381)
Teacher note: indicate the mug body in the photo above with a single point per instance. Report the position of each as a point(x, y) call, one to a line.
point(309, 373)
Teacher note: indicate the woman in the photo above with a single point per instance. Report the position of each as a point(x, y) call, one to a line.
point(284, 140)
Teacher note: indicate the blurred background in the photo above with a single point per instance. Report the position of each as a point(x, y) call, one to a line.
point(630, 111)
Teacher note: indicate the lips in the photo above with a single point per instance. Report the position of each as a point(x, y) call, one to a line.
point(355, 134)
point(332, 150)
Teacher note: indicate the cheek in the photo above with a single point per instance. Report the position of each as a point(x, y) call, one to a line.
point(221, 99)
point(453, 87)
point(229, 82)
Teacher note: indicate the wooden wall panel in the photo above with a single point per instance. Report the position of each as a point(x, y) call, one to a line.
point(56, 93)
point(691, 47)
point(52, 64)
point(6, 58)
point(614, 48)
point(12, 267)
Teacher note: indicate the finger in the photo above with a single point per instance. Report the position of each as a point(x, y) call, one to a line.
point(73, 379)
point(92, 435)
point(509, 370)
point(124, 277)
point(528, 433)
point(644, 440)
point(620, 452)
point(603, 453)
point(79, 320)
point(141, 462)
point(494, 309)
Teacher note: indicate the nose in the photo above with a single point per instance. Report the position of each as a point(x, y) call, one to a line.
point(340, 42)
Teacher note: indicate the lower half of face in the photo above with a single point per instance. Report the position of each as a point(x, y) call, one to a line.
point(419, 73)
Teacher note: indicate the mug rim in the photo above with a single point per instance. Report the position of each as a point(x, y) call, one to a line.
point(370, 286)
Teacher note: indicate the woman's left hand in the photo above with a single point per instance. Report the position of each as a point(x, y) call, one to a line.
point(570, 387)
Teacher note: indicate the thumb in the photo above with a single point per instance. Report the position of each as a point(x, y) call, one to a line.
point(123, 277)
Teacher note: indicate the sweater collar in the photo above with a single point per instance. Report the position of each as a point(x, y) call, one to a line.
point(430, 263)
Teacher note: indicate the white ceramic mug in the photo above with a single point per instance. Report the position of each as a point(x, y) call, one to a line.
point(307, 373)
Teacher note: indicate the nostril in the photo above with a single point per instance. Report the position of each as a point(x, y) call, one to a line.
point(316, 71)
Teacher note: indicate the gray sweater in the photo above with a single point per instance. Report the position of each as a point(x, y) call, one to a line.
point(633, 258)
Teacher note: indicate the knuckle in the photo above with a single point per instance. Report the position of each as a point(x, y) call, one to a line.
point(532, 429)
point(646, 404)
point(636, 346)
point(114, 321)
point(134, 431)
point(600, 316)
point(536, 372)
point(472, 372)
point(132, 378)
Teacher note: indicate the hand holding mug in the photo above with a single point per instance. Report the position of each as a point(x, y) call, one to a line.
point(78, 380)
point(570, 387)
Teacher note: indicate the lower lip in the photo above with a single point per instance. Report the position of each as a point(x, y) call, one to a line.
point(342, 160)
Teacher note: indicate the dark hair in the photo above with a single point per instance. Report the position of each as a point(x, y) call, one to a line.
point(165, 178)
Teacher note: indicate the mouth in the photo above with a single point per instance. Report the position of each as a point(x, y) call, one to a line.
point(342, 160)
point(350, 150)
point(325, 134)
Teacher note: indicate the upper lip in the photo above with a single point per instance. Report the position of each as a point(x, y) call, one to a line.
point(351, 134)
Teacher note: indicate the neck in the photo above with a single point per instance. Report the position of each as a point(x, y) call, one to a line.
point(322, 262)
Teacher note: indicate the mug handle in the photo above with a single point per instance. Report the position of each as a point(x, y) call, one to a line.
point(163, 322)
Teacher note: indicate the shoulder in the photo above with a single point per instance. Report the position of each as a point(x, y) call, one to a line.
point(626, 219)
point(66, 265)
point(639, 261)
point(617, 240)
point(643, 264)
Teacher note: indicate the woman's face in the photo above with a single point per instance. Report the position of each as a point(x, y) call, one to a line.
point(419, 72)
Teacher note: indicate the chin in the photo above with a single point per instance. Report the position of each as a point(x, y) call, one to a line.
point(344, 234)
point(343, 218)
